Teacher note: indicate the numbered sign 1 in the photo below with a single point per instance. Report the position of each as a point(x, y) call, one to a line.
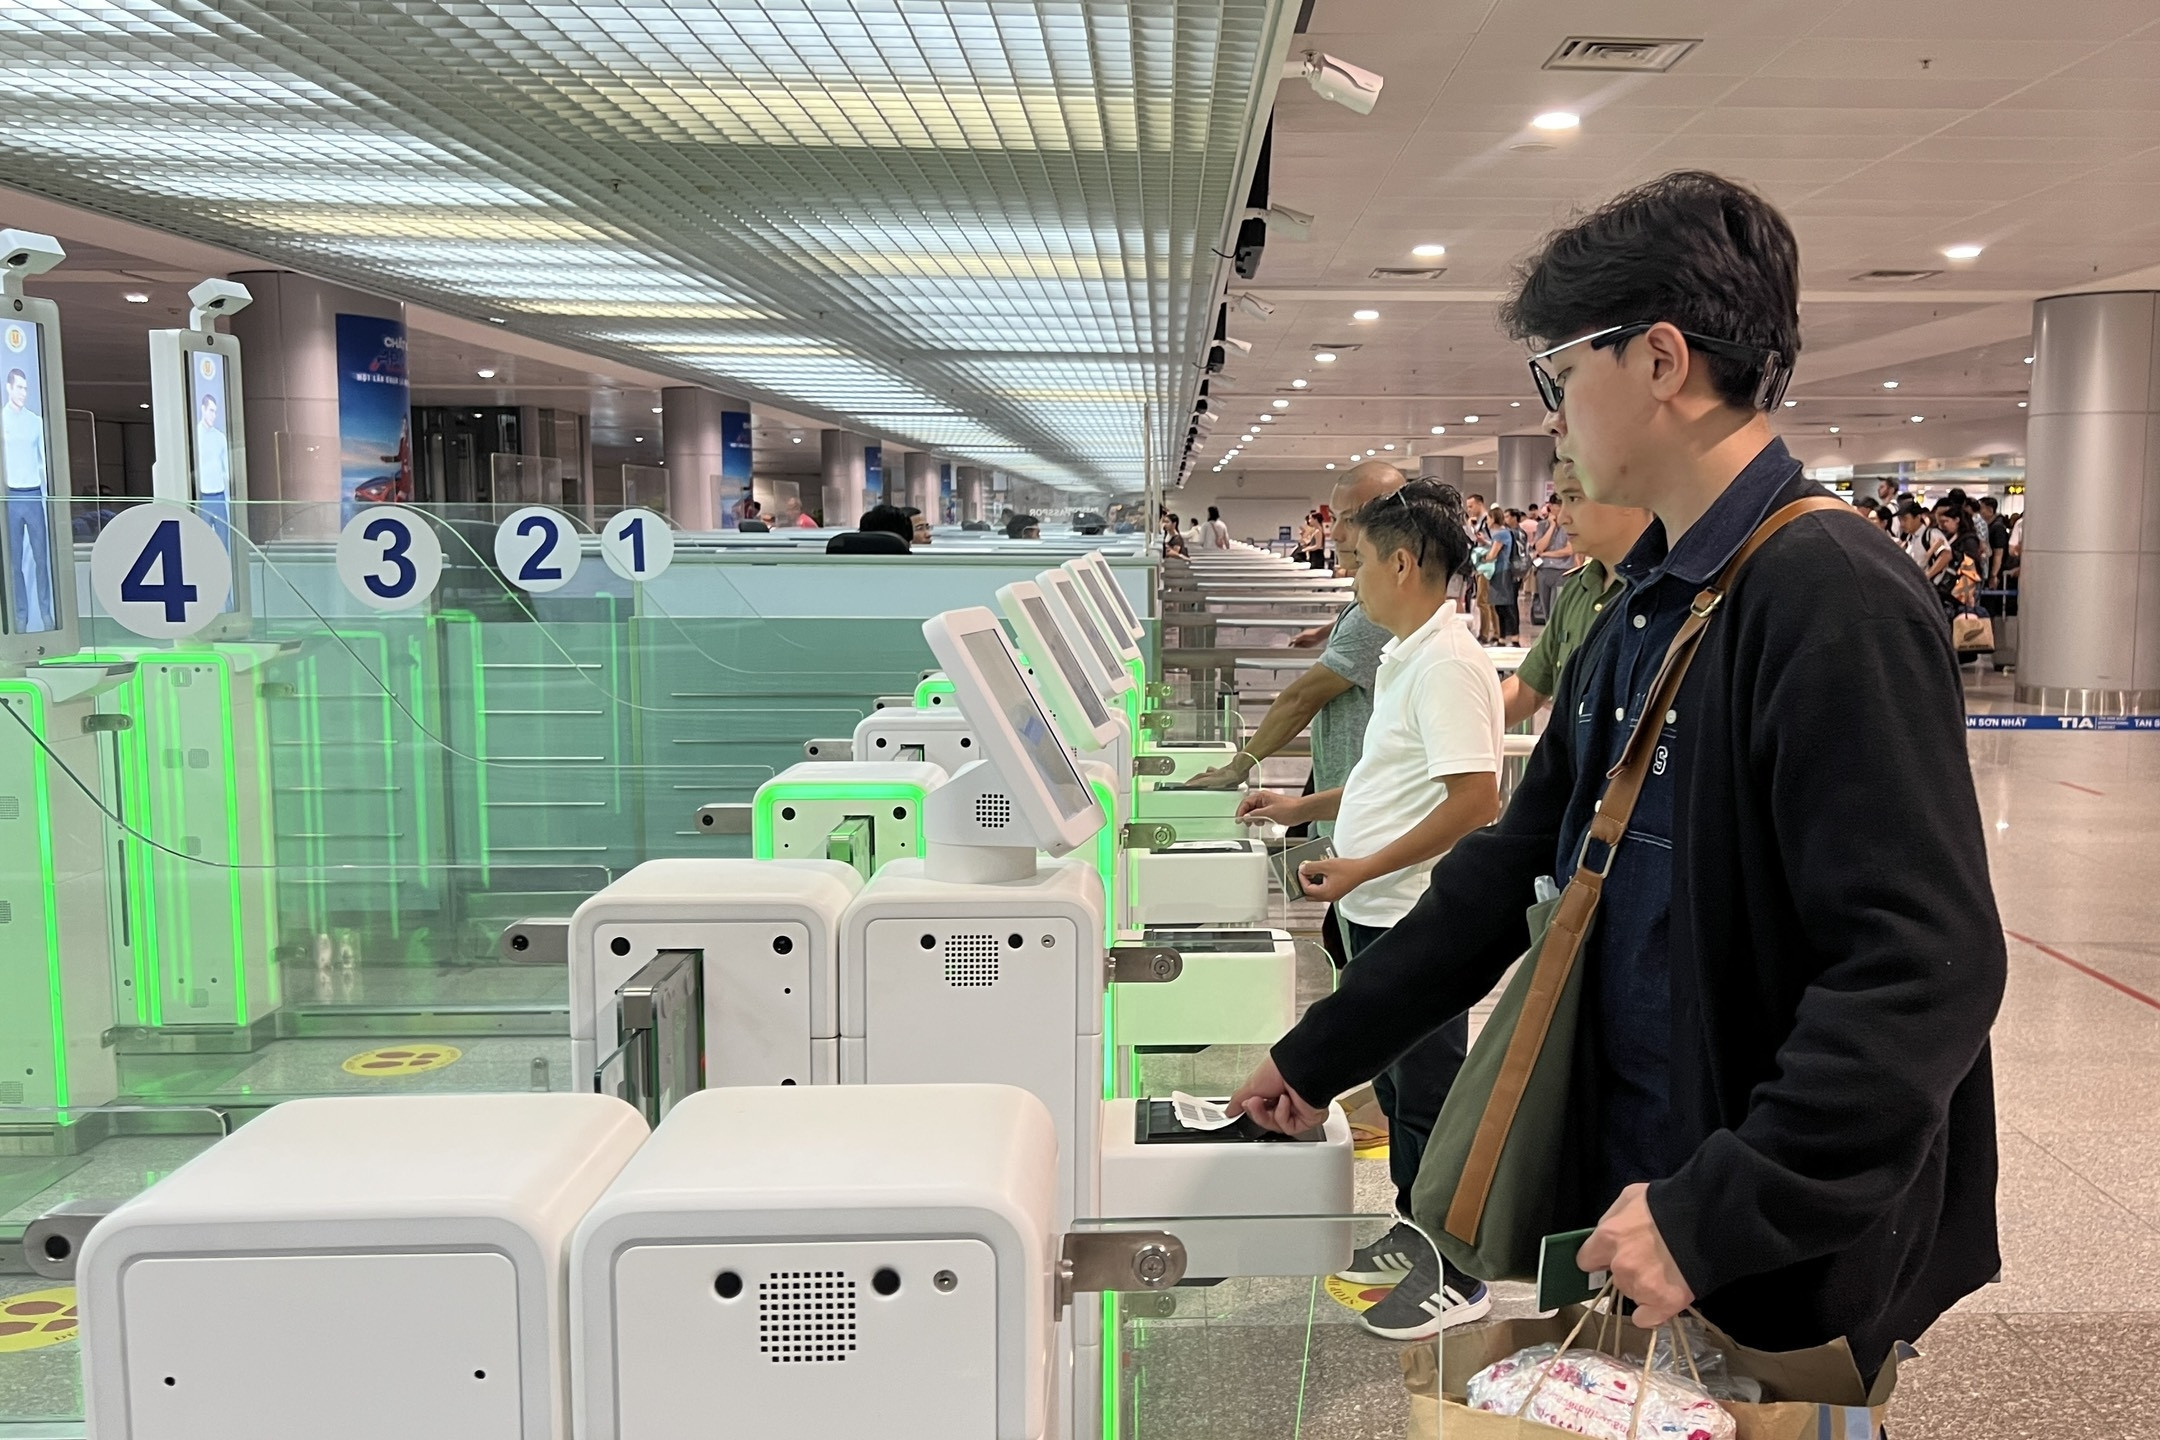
point(161, 571)
point(537, 549)
point(389, 558)
point(637, 545)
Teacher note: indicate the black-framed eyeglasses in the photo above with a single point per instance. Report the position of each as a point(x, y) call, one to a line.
point(1769, 385)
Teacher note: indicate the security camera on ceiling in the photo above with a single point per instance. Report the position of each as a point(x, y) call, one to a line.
point(1296, 224)
point(1243, 347)
point(1337, 80)
point(1253, 305)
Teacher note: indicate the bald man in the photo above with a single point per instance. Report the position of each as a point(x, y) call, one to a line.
point(1335, 695)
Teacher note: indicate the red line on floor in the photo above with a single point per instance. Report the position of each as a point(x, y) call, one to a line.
point(2082, 968)
point(2086, 788)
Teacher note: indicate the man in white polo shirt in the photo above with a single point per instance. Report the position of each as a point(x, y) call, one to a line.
point(1429, 775)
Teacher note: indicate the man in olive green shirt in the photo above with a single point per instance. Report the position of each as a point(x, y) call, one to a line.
point(1604, 533)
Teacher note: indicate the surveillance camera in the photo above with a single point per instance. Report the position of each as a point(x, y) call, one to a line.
point(1254, 306)
point(1296, 224)
point(215, 297)
point(1341, 82)
point(1244, 347)
point(25, 252)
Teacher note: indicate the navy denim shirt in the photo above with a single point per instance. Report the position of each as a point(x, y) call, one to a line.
point(1629, 979)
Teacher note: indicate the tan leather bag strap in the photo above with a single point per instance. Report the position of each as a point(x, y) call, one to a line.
point(1570, 924)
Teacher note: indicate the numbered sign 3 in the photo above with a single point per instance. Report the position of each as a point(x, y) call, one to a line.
point(161, 571)
point(637, 545)
point(389, 558)
point(537, 549)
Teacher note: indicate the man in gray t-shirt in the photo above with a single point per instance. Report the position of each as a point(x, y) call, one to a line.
point(1335, 695)
point(1338, 727)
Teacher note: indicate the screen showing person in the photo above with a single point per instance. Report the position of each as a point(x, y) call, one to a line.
point(212, 438)
point(1009, 690)
point(26, 469)
point(1068, 664)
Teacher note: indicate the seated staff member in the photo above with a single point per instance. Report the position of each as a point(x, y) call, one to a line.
point(1429, 775)
point(1335, 695)
point(1604, 533)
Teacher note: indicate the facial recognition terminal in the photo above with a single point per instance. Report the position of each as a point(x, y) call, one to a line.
point(1075, 697)
point(37, 572)
point(195, 411)
point(1097, 650)
point(1093, 563)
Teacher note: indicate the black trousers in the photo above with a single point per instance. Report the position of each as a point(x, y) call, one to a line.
point(1411, 1090)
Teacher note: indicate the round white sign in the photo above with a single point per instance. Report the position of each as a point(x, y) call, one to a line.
point(160, 571)
point(537, 549)
point(389, 558)
point(637, 544)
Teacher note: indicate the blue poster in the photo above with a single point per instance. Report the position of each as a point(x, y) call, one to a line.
point(734, 466)
point(946, 513)
point(874, 473)
point(374, 413)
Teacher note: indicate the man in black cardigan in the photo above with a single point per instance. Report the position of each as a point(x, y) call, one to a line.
point(1783, 1104)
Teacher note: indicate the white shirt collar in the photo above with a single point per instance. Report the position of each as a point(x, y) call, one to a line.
point(1441, 617)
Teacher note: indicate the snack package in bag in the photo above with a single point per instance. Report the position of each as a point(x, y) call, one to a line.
point(1587, 1392)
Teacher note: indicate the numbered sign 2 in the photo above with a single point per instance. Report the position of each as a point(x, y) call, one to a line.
point(637, 545)
point(389, 558)
point(537, 549)
point(161, 571)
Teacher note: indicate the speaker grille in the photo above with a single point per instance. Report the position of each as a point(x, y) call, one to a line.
point(971, 961)
point(11, 1092)
point(806, 1317)
point(993, 812)
point(7, 912)
point(10, 807)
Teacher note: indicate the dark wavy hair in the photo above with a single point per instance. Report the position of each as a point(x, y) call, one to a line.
point(1424, 517)
point(1703, 252)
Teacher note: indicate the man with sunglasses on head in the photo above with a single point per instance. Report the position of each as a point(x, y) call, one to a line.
point(1781, 1108)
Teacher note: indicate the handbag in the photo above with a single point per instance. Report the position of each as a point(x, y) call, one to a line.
point(1485, 1189)
point(1973, 632)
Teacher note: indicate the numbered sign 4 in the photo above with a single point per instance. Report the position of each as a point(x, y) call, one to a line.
point(389, 558)
point(161, 571)
point(537, 549)
point(637, 544)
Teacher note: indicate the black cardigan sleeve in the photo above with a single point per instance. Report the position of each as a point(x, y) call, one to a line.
point(1884, 860)
point(1453, 946)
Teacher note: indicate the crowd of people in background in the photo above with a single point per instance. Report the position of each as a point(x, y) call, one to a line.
point(1970, 550)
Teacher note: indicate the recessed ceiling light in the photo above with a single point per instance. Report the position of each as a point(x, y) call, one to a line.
point(1889, 384)
point(1428, 252)
point(1372, 452)
point(1514, 404)
point(136, 297)
point(1325, 357)
point(1469, 419)
point(1918, 418)
point(1439, 429)
point(1389, 446)
point(1790, 403)
point(656, 409)
point(1364, 315)
point(1299, 383)
point(796, 438)
point(2028, 359)
point(1281, 405)
point(485, 374)
point(1833, 429)
point(1961, 252)
point(144, 406)
point(1557, 120)
point(2021, 404)
point(1267, 419)
point(638, 439)
point(1330, 465)
point(497, 320)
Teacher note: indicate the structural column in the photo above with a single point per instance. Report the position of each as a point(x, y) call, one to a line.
point(1524, 472)
point(2089, 592)
point(1441, 467)
point(843, 477)
point(968, 484)
point(922, 484)
point(290, 377)
point(707, 440)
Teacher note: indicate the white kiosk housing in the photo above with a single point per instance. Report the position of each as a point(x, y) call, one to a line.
point(340, 1268)
point(829, 1262)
